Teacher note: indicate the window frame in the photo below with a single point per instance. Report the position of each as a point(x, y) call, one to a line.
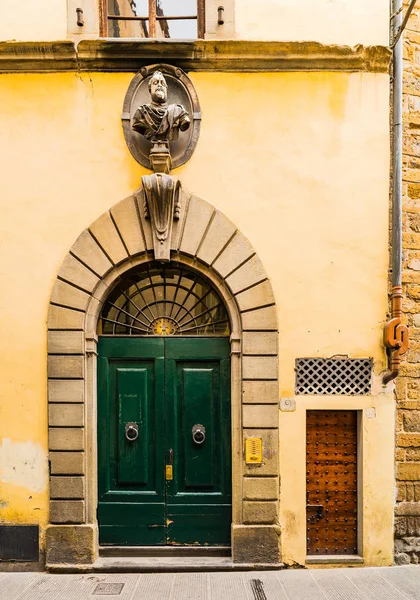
point(152, 19)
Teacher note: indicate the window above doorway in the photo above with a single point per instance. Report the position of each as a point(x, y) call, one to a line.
point(164, 299)
point(161, 19)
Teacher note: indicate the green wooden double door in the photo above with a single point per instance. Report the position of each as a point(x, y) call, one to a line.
point(164, 443)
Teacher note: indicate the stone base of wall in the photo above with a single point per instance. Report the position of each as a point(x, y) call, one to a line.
point(71, 545)
point(256, 544)
point(407, 457)
point(23, 567)
point(407, 533)
point(78, 544)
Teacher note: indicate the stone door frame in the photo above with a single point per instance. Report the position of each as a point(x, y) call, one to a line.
point(207, 242)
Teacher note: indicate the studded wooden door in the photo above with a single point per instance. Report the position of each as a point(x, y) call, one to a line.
point(331, 482)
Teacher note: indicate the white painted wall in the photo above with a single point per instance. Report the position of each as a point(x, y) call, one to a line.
point(347, 22)
point(33, 20)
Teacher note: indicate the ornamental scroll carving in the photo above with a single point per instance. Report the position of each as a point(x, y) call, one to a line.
point(161, 135)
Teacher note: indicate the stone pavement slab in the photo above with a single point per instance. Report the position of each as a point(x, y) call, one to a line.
point(386, 583)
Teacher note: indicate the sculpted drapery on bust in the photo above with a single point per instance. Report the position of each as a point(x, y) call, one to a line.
point(159, 121)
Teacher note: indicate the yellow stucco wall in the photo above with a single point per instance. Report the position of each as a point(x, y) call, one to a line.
point(298, 161)
point(348, 22)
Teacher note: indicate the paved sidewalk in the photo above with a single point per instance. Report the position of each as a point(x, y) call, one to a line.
point(387, 583)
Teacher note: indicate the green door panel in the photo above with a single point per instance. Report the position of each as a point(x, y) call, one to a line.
point(199, 498)
point(198, 407)
point(132, 524)
point(132, 348)
point(192, 348)
point(132, 397)
point(203, 524)
point(131, 484)
point(164, 387)
point(193, 399)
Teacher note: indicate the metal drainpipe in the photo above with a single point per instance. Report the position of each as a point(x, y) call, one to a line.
point(395, 333)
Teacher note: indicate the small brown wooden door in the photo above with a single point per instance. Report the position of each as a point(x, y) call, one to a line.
point(331, 482)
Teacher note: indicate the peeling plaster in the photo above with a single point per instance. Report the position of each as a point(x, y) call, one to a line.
point(23, 464)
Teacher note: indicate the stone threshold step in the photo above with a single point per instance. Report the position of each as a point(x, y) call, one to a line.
point(166, 564)
point(149, 551)
point(328, 559)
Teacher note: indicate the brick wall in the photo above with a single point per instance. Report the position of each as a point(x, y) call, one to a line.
point(407, 453)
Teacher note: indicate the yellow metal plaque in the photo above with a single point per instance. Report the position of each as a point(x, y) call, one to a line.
point(169, 473)
point(253, 451)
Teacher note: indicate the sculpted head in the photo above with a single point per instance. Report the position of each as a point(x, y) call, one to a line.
point(158, 88)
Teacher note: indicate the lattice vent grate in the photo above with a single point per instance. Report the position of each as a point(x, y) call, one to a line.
point(345, 376)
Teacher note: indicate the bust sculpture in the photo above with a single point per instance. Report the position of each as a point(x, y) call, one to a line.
point(159, 121)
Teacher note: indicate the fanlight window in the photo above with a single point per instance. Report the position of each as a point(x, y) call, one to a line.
point(164, 300)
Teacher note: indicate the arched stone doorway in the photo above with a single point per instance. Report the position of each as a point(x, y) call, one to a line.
point(207, 243)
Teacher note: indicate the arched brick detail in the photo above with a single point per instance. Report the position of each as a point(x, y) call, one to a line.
point(205, 240)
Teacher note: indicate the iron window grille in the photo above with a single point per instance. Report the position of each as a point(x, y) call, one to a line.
point(328, 376)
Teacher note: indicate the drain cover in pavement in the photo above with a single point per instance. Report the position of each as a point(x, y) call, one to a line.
point(257, 587)
point(108, 589)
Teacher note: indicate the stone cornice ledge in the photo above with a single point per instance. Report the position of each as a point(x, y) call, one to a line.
point(199, 55)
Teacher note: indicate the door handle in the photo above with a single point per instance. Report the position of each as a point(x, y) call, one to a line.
point(131, 432)
point(198, 434)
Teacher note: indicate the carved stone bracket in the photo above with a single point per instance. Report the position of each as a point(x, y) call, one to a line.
point(160, 158)
point(91, 345)
point(162, 206)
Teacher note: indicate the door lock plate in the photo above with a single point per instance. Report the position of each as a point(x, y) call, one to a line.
point(319, 512)
point(169, 473)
